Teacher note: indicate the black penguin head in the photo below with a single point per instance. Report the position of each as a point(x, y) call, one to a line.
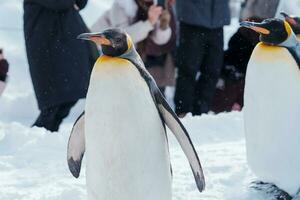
point(272, 31)
point(114, 42)
point(293, 21)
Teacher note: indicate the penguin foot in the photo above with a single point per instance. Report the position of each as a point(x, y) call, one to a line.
point(271, 189)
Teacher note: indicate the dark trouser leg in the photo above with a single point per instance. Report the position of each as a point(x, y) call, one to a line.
point(224, 99)
point(63, 112)
point(210, 72)
point(189, 56)
point(46, 118)
point(51, 118)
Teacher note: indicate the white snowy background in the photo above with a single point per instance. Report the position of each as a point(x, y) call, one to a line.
point(33, 161)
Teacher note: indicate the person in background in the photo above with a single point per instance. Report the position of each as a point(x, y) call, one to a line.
point(200, 50)
point(3, 71)
point(267, 9)
point(59, 64)
point(291, 7)
point(259, 9)
point(153, 30)
point(230, 88)
point(229, 94)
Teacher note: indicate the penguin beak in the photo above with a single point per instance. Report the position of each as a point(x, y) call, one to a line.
point(258, 27)
point(288, 18)
point(98, 38)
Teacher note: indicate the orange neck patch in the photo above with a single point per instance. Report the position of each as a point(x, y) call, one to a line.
point(103, 58)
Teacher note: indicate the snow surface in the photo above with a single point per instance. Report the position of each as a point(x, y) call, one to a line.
point(33, 162)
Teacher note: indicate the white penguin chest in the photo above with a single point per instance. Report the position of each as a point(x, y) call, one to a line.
point(126, 148)
point(272, 109)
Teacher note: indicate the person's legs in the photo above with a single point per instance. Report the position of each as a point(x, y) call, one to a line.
point(210, 71)
point(46, 119)
point(226, 99)
point(51, 118)
point(189, 57)
point(63, 112)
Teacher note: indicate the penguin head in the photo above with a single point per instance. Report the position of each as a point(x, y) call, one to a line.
point(272, 31)
point(114, 42)
point(293, 21)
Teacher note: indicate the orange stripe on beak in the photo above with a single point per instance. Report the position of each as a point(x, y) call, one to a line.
point(101, 40)
point(260, 30)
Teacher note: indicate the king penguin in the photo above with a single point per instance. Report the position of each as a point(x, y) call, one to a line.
point(294, 22)
point(272, 107)
point(122, 131)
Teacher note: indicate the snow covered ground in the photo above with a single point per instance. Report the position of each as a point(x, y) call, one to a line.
point(33, 162)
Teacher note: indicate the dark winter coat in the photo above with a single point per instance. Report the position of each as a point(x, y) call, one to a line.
point(206, 13)
point(236, 59)
point(240, 48)
point(59, 64)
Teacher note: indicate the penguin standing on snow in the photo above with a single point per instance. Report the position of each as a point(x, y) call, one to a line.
point(122, 131)
point(294, 22)
point(272, 109)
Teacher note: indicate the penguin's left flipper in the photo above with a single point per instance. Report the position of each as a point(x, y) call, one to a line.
point(76, 146)
point(181, 134)
point(170, 119)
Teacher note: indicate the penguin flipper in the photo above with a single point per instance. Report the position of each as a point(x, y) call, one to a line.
point(183, 138)
point(76, 146)
point(170, 119)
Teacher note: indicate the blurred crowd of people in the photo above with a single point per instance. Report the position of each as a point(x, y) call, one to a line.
point(186, 35)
